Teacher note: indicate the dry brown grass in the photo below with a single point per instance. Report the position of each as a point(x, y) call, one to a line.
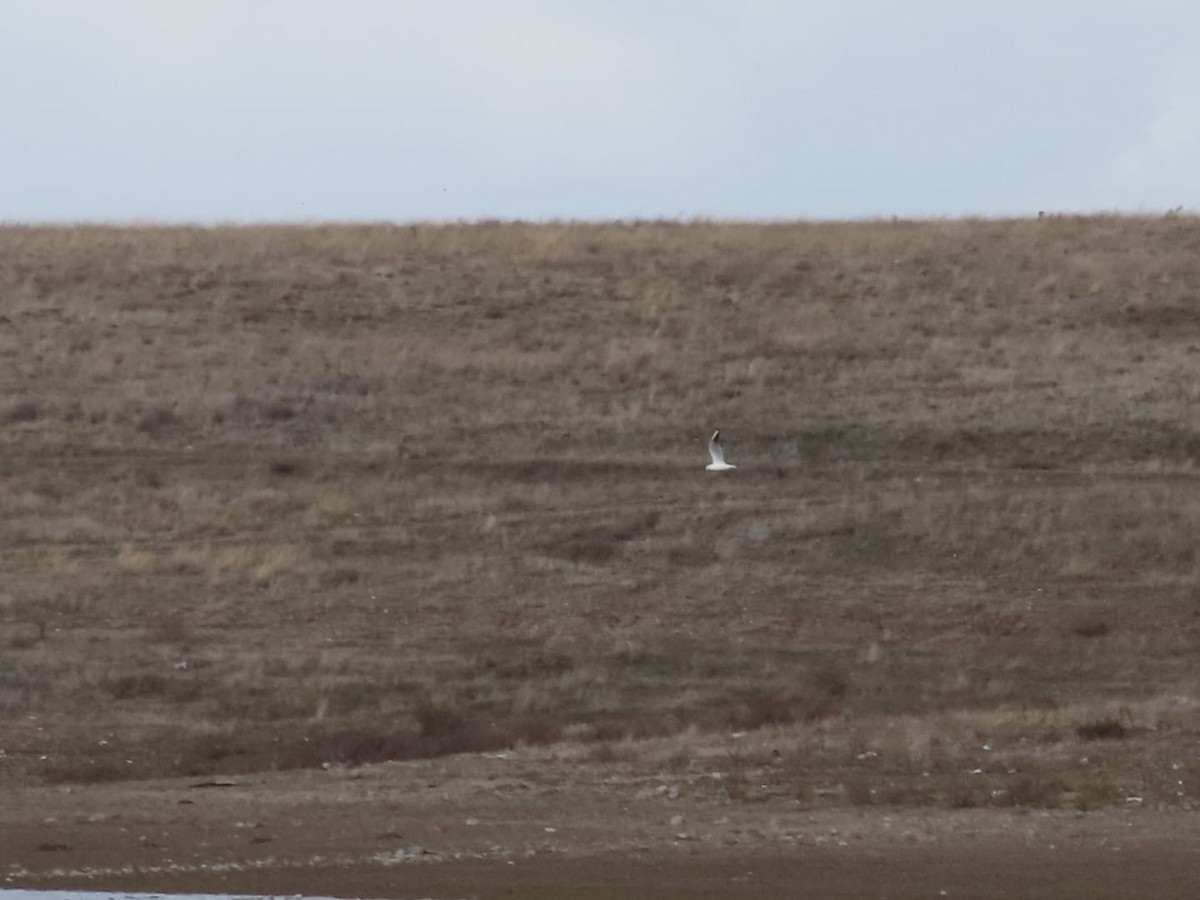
point(283, 496)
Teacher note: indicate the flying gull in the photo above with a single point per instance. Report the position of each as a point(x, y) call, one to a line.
point(718, 463)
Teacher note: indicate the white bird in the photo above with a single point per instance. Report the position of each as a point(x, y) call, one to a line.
point(718, 463)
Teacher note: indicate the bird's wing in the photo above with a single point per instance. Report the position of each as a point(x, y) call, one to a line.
point(714, 448)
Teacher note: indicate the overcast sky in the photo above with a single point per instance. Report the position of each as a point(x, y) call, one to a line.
point(214, 110)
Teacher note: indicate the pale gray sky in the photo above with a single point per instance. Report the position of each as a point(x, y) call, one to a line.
point(210, 110)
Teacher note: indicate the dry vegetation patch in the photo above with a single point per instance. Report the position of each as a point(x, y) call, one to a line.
point(289, 496)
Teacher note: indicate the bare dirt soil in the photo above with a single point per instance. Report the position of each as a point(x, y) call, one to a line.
point(540, 824)
point(382, 561)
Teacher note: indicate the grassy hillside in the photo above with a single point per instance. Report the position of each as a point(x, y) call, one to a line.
point(284, 496)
